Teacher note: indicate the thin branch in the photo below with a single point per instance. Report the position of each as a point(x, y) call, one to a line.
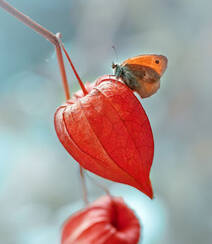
point(62, 67)
point(46, 34)
point(104, 188)
point(84, 188)
point(85, 92)
point(55, 40)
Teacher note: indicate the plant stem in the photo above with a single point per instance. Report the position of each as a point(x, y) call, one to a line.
point(84, 188)
point(55, 40)
point(46, 34)
point(75, 72)
point(104, 188)
point(62, 67)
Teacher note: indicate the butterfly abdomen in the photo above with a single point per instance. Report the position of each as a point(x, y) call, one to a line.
point(127, 76)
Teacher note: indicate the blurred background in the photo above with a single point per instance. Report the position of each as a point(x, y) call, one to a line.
point(39, 181)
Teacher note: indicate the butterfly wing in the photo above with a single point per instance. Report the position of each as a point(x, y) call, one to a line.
point(158, 63)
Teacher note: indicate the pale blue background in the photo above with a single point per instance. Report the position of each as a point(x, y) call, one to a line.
point(38, 179)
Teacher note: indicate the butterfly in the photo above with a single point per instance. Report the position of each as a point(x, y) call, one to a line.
point(142, 73)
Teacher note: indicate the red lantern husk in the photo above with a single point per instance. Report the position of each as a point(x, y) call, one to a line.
point(108, 133)
point(108, 220)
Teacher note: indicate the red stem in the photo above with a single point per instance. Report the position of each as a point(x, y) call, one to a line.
point(104, 188)
point(84, 188)
point(46, 34)
point(75, 72)
point(62, 68)
point(55, 40)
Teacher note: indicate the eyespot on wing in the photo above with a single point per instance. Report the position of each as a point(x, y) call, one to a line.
point(156, 62)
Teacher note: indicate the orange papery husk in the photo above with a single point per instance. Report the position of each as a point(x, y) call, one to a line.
point(108, 220)
point(108, 133)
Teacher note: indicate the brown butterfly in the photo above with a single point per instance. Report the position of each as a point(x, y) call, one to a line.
point(142, 73)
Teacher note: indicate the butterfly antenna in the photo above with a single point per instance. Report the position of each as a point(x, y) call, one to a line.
point(116, 54)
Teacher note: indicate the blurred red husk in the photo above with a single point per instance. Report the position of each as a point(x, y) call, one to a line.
point(108, 133)
point(108, 220)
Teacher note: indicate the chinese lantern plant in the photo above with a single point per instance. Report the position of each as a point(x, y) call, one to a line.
point(108, 220)
point(105, 128)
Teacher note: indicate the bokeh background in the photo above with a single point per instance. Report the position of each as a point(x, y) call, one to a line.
point(39, 181)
